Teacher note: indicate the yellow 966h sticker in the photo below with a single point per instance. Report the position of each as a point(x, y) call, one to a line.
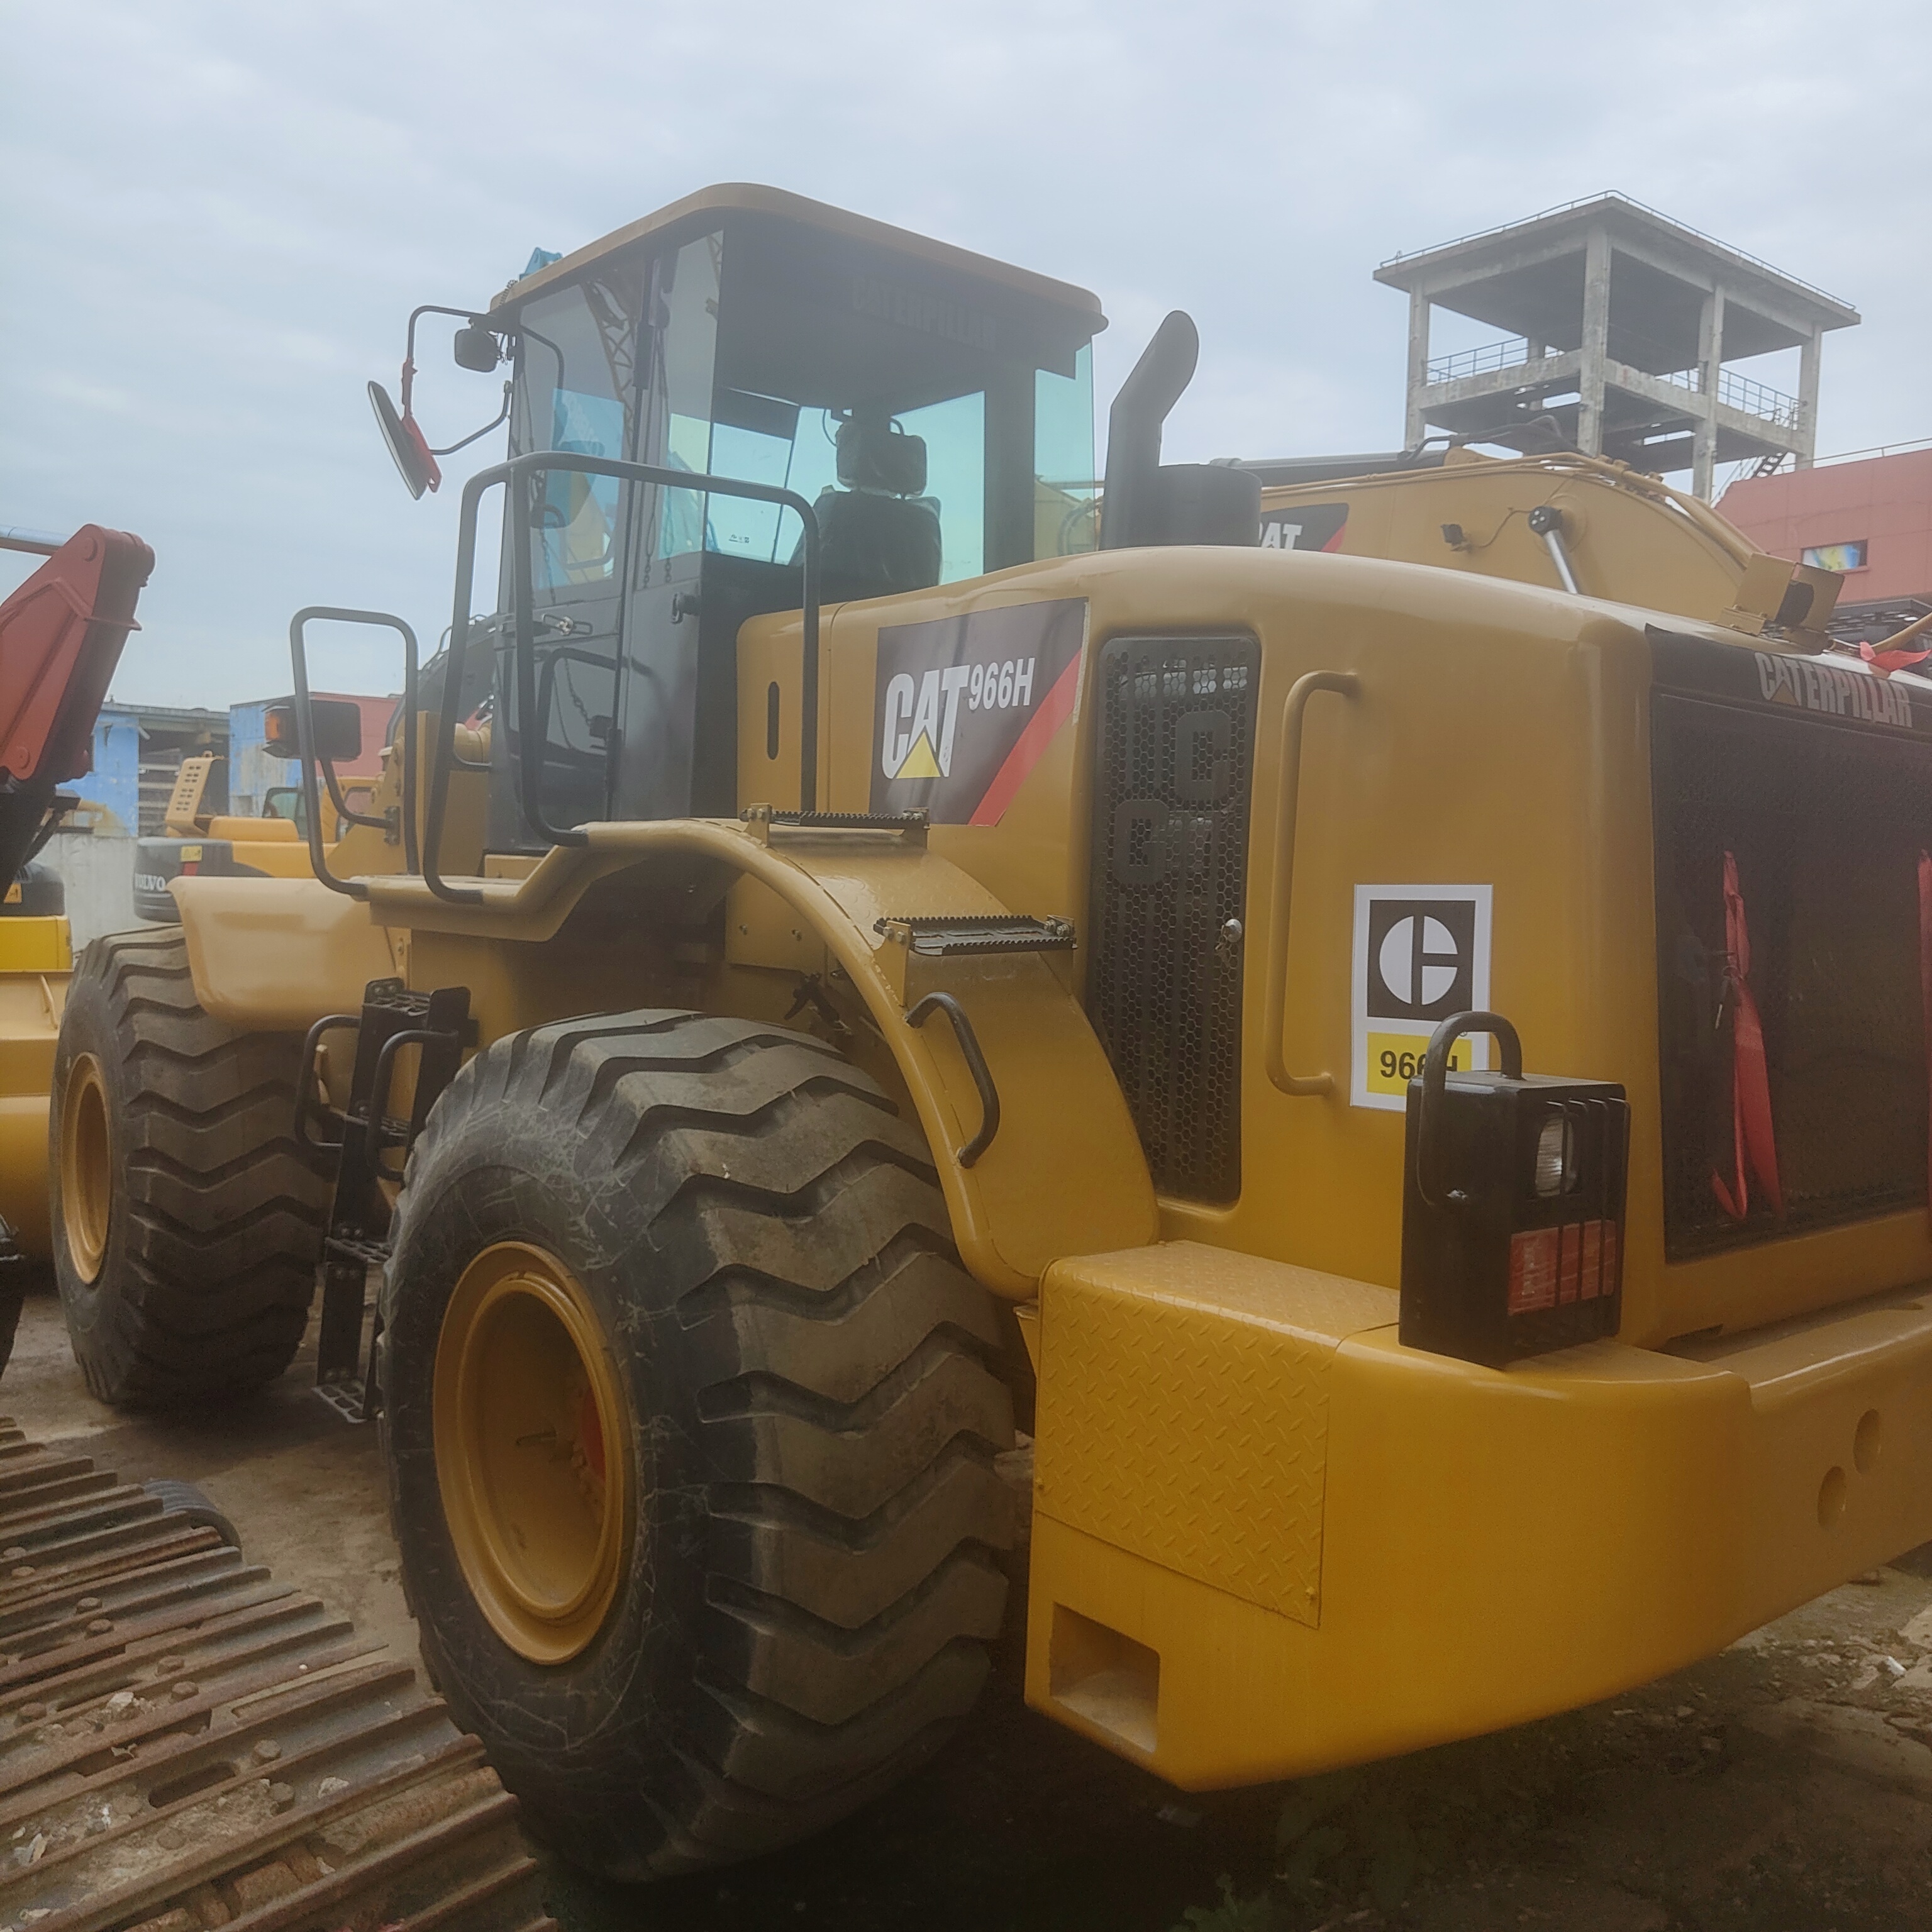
point(1421, 952)
point(1395, 1058)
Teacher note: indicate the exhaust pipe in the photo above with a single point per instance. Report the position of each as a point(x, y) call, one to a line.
point(1130, 509)
point(1146, 502)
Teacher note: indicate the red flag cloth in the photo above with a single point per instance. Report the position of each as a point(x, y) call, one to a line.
point(1753, 1141)
point(1885, 662)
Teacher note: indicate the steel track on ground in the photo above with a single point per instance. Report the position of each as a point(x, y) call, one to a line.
point(186, 1744)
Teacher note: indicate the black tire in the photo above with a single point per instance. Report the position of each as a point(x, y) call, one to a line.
point(216, 1216)
point(805, 1610)
point(12, 1296)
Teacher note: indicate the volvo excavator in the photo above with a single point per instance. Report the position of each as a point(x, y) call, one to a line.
point(1409, 1088)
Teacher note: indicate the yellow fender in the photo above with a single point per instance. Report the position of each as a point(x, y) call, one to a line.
point(278, 953)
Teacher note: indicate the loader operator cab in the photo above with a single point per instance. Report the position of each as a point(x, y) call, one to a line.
point(936, 409)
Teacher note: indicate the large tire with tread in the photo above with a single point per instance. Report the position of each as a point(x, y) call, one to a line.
point(187, 1272)
point(807, 1386)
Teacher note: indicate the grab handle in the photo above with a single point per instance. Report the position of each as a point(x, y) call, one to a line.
point(1434, 1075)
point(976, 1065)
point(1344, 684)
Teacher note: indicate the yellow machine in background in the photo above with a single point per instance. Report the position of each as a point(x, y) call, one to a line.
point(1573, 523)
point(197, 841)
point(1410, 1087)
point(62, 631)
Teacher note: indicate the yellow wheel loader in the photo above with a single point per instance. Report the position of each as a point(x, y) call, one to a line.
point(1410, 1089)
point(61, 635)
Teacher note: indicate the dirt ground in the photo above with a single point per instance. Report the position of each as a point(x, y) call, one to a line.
point(1785, 1786)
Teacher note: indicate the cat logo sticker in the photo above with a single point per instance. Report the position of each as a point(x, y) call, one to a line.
point(1305, 527)
point(1421, 952)
point(964, 706)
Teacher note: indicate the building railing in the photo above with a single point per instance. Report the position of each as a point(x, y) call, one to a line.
point(1735, 391)
point(1741, 392)
point(1513, 352)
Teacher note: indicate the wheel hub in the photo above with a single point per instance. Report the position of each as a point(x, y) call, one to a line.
point(531, 1436)
point(86, 1166)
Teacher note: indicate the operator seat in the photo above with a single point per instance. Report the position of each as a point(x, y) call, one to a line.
point(881, 532)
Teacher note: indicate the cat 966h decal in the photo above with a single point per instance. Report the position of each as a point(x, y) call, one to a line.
point(963, 706)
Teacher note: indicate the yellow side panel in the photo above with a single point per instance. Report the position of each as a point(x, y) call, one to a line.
point(23, 1171)
point(273, 954)
point(280, 859)
point(35, 946)
point(1184, 1411)
point(255, 831)
point(32, 997)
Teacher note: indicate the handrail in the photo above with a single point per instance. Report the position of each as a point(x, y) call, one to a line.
point(511, 476)
point(967, 1155)
point(305, 738)
point(1344, 684)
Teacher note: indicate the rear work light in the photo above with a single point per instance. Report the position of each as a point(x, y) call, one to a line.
point(1512, 1205)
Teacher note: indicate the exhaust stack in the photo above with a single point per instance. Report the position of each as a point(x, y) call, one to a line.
point(1146, 502)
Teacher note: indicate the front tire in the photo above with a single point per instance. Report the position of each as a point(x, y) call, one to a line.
point(690, 1414)
point(187, 1222)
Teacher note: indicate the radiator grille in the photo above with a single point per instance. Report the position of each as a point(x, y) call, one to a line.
point(1173, 763)
point(1826, 824)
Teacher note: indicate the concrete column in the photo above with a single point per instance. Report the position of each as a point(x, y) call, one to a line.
point(1806, 438)
point(1710, 364)
point(1596, 344)
point(1413, 427)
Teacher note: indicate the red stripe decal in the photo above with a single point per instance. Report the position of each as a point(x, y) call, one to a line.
point(1055, 708)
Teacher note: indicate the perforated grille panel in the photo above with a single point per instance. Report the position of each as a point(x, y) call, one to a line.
point(1826, 823)
point(1174, 763)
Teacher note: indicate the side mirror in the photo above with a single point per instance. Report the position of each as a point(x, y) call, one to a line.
point(337, 725)
point(476, 348)
point(407, 444)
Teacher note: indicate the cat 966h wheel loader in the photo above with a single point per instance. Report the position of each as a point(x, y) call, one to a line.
point(848, 981)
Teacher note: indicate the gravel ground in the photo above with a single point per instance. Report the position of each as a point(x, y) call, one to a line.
point(1785, 1786)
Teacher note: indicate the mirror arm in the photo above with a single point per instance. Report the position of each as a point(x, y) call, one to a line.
point(497, 421)
point(472, 319)
point(340, 803)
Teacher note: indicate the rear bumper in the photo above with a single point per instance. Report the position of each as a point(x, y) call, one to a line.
point(1268, 1540)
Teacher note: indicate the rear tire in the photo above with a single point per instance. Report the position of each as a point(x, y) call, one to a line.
point(782, 1581)
point(12, 1296)
point(187, 1221)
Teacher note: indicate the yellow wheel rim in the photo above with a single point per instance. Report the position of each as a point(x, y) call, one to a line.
point(86, 1166)
point(532, 1451)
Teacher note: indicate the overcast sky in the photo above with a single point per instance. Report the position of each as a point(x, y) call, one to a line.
point(215, 218)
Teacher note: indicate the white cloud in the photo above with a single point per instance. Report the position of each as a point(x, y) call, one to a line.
point(218, 214)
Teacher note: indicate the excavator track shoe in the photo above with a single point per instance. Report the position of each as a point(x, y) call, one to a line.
point(186, 1744)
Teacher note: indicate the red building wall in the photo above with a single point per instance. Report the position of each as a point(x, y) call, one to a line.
point(1884, 502)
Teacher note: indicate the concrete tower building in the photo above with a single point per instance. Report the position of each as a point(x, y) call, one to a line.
point(1620, 322)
